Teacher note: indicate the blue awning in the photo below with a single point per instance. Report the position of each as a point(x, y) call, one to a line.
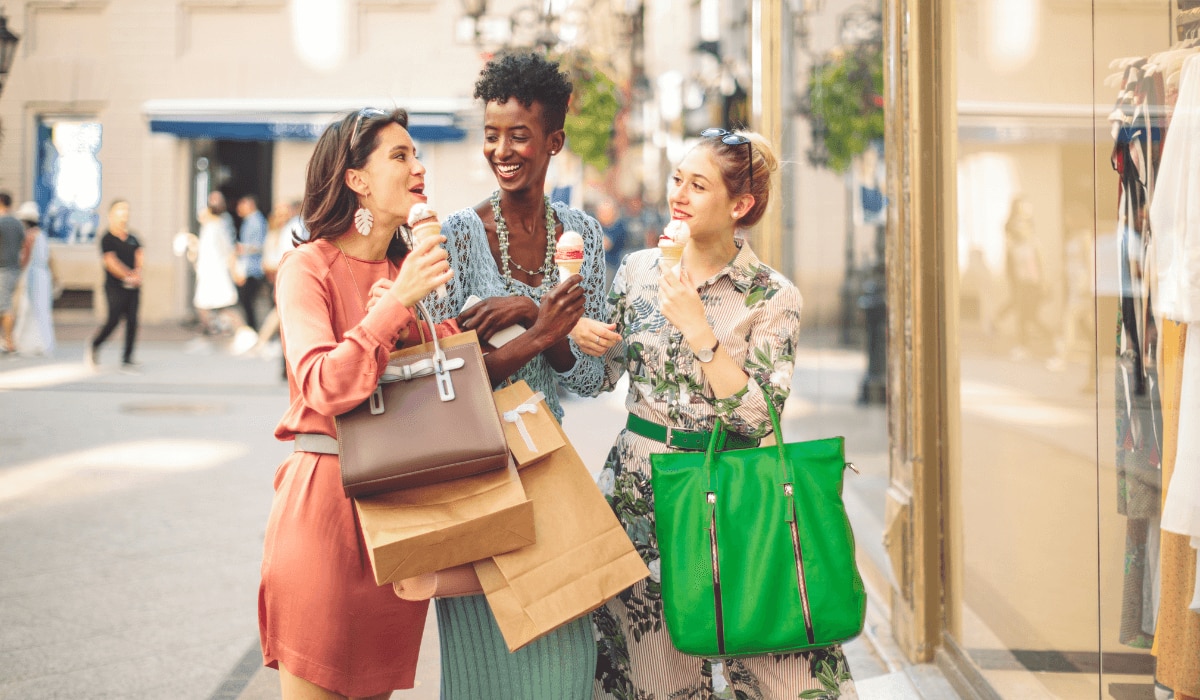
point(293, 120)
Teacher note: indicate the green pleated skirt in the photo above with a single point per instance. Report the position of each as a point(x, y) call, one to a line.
point(477, 665)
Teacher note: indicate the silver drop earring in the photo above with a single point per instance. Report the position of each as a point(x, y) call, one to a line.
point(363, 220)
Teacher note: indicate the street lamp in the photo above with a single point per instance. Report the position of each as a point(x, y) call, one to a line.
point(8, 49)
point(843, 93)
point(473, 11)
point(536, 24)
point(860, 25)
point(474, 8)
point(861, 28)
point(533, 26)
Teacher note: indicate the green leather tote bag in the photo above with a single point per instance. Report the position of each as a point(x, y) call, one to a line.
point(757, 551)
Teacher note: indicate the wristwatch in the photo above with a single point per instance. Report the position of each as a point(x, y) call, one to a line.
point(706, 355)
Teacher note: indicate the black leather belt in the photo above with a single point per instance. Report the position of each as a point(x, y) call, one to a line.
point(675, 438)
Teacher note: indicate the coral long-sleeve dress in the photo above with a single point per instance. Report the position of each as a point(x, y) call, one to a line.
point(321, 615)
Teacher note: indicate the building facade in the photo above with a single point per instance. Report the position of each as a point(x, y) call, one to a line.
point(160, 102)
point(1019, 456)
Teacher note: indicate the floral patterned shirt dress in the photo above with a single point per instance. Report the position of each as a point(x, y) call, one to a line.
point(755, 313)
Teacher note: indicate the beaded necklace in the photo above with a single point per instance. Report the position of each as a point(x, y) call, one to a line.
point(506, 261)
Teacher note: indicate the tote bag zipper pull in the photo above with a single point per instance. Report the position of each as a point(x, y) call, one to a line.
point(797, 550)
point(716, 571)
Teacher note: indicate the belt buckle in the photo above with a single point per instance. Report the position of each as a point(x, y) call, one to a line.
point(671, 431)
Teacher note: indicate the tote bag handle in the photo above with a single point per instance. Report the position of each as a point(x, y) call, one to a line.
point(718, 438)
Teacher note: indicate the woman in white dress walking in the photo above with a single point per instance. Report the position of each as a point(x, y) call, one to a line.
point(35, 324)
point(216, 293)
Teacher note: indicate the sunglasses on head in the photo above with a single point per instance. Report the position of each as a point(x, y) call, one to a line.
point(364, 113)
point(729, 138)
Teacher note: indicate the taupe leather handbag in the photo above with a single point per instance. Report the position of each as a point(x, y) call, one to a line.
point(430, 419)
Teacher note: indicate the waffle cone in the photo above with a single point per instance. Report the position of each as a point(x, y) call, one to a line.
point(566, 268)
point(426, 228)
point(429, 227)
point(671, 255)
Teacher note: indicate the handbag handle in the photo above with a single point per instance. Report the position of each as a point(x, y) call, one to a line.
point(441, 369)
point(718, 437)
point(424, 315)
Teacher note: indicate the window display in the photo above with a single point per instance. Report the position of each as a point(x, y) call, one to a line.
point(1078, 274)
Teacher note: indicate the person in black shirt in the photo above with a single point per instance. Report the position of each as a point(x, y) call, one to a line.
point(122, 258)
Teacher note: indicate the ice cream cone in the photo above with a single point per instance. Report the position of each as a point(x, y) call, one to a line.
point(568, 254)
point(671, 255)
point(566, 268)
point(671, 243)
point(423, 222)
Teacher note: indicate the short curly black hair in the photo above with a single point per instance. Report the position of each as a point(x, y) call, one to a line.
point(529, 77)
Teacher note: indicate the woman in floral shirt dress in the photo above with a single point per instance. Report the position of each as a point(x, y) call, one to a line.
point(714, 336)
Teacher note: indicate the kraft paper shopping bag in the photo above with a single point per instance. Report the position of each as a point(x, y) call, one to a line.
point(422, 530)
point(582, 557)
point(529, 427)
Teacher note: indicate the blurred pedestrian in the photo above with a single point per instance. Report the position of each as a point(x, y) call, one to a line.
point(1077, 331)
point(1023, 267)
point(12, 252)
point(616, 233)
point(324, 623)
point(284, 229)
point(122, 259)
point(711, 338)
point(645, 223)
point(251, 238)
point(279, 239)
point(216, 294)
point(502, 251)
point(35, 322)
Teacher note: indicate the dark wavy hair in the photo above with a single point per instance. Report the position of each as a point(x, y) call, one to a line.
point(528, 77)
point(329, 204)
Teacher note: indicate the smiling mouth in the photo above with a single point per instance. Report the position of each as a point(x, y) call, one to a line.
point(507, 170)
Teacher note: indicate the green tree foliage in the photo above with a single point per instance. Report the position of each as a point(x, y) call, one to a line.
point(846, 104)
point(593, 110)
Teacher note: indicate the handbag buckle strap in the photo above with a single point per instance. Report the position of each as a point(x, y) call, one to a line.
point(445, 385)
point(423, 368)
point(439, 365)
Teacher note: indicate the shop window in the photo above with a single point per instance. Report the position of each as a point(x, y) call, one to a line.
point(68, 182)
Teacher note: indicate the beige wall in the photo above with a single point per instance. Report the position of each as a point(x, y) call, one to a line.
point(104, 59)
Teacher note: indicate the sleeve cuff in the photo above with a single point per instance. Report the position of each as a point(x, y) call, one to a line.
point(579, 358)
point(385, 320)
point(726, 407)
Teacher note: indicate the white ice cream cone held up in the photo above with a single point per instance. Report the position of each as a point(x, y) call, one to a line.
point(671, 243)
point(423, 221)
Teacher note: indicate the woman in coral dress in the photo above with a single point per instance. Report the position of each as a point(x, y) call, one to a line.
point(324, 623)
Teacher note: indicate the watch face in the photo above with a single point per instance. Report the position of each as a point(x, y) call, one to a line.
point(705, 355)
